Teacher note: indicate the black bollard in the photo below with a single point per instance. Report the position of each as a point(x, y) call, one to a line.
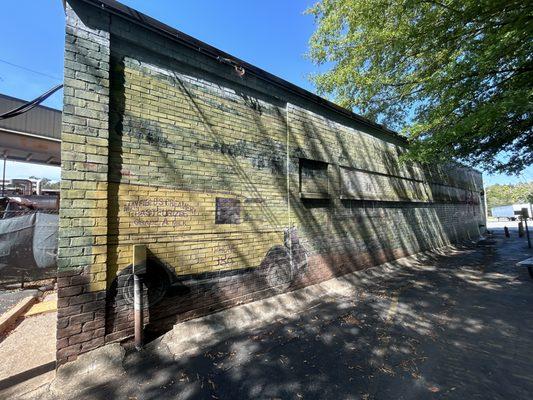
point(506, 232)
point(520, 229)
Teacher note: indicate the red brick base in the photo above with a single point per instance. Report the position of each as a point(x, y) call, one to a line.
point(80, 315)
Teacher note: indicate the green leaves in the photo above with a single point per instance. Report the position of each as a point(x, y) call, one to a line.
point(455, 76)
point(502, 195)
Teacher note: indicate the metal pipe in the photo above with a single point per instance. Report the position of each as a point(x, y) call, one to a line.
point(138, 269)
point(138, 311)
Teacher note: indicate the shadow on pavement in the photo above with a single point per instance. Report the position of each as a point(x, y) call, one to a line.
point(456, 326)
point(26, 375)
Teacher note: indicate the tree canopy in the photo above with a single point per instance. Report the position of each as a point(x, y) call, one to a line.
point(455, 76)
point(503, 195)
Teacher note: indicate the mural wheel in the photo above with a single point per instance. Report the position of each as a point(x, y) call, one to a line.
point(155, 284)
point(277, 268)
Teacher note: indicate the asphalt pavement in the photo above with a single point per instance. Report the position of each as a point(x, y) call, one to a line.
point(8, 298)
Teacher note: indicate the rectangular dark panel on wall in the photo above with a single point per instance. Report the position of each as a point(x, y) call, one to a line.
point(449, 194)
point(363, 185)
point(228, 211)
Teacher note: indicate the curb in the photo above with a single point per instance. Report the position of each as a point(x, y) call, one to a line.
point(43, 307)
point(8, 319)
point(192, 336)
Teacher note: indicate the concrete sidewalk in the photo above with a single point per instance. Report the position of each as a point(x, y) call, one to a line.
point(28, 351)
point(451, 325)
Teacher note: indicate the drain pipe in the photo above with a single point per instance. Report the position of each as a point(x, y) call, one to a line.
point(139, 268)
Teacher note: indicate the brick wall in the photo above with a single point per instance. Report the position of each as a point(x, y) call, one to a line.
point(238, 187)
point(82, 255)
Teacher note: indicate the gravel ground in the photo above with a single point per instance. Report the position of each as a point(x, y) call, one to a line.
point(28, 355)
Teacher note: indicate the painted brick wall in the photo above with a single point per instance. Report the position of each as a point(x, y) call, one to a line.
point(82, 254)
point(240, 189)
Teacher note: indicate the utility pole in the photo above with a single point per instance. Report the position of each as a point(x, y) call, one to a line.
point(4, 175)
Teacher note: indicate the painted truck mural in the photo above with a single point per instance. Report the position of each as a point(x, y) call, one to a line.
point(240, 184)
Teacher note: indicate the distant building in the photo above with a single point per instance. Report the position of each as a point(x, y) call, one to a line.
point(24, 187)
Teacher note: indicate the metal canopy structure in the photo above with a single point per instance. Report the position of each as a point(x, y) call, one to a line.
point(34, 136)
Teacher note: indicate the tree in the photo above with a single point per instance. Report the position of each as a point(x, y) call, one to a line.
point(503, 195)
point(454, 76)
point(46, 183)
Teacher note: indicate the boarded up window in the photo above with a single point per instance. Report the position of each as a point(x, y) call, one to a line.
point(448, 194)
point(313, 179)
point(228, 211)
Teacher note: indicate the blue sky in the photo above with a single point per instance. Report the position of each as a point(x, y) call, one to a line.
point(272, 35)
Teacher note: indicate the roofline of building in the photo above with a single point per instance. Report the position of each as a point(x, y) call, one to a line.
point(154, 25)
point(5, 96)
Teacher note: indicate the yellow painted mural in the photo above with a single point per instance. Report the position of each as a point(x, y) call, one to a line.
point(185, 230)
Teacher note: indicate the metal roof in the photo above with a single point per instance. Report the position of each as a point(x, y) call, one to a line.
point(41, 120)
point(34, 136)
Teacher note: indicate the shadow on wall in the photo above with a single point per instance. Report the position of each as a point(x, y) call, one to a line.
point(187, 295)
point(333, 236)
point(439, 343)
point(166, 294)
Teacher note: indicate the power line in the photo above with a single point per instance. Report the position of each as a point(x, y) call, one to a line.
point(31, 70)
point(30, 104)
